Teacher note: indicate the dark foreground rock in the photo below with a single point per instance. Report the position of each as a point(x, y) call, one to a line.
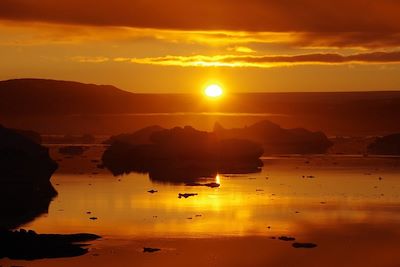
point(22, 203)
point(27, 245)
point(23, 160)
point(25, 171)
point(277, 140)
point(182, 155)
point(32, 135)
point(386, 145)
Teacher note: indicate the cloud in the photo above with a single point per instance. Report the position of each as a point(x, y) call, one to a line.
point(38, 33)
point(24, 33)
point(270, 60)
point(234, 15)
point(370, 40)
point(304, 23)
point(241, 49)
point(82, 59)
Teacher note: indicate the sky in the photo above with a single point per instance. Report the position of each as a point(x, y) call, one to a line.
point(176, 46)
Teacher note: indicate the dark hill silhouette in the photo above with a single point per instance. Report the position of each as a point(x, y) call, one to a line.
point(52, 97)
point(277, 140)
point(39, 96)
point(48, 106)
point(386, 145)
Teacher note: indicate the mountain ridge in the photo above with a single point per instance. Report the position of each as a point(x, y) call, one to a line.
point(29, 103)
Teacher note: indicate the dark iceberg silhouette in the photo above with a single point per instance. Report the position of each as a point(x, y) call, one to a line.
point(182, 155)
point(277, 140)
point(28, 245)
point(139, 137)
point(25, 171)
point(386, 145)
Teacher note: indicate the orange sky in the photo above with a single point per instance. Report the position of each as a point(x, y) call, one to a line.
point(178, 45)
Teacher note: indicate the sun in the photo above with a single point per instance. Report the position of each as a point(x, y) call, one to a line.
point(213, 90)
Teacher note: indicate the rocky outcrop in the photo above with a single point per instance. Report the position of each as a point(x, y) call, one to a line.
point(22, 203)
point(32, 135)
point(22, 160)
point(277, 140)
point(386, 145)
point(28, 245)
point(183, 155)
point(25, 171)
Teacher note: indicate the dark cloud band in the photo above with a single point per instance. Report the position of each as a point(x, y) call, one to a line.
point(250, 15)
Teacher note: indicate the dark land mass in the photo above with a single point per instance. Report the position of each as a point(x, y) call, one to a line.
point(23, 160)
point(182, 155)
point(69, 107)
point(25, 193)
point(25, 172)
point(386, 145)
point(22, 203)
point(27, 245)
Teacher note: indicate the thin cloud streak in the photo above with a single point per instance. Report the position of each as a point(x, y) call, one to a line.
point(267, 61)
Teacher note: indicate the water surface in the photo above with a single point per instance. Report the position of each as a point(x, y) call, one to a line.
point(340, 203)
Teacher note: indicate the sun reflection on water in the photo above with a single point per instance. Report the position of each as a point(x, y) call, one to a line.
point(218, 179)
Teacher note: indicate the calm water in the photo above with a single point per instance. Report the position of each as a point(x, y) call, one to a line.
point(349, 188)
point(346, 200)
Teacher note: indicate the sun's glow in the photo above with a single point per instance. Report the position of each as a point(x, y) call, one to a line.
point(218, 179)
point(213, 90)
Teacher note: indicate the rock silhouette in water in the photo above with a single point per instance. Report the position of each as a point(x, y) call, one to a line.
point(28, 245)
point(25, 171)
point(304, 245)
point(277, 140)
point(286, 238)
point(182, 155)
point(386, 145)
point(151, 250)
